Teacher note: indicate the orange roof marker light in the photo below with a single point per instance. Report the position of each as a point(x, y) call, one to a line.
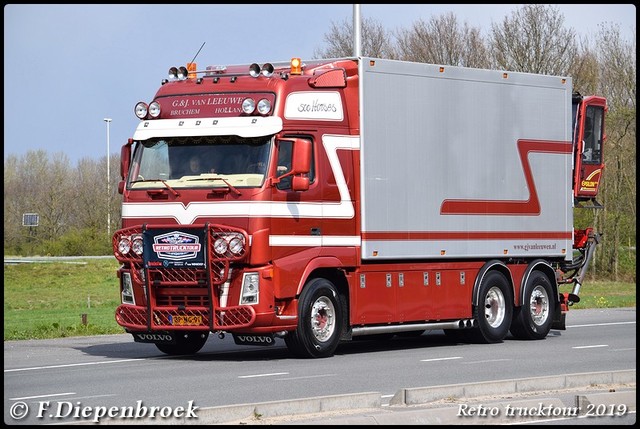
point(191, 68)
point(296, 66)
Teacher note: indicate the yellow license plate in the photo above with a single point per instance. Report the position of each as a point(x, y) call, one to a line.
point(186, 320)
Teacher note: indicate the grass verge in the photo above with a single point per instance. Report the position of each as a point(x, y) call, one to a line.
point(79, 297)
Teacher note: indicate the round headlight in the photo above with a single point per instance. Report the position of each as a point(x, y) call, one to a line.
point(236, 245)
point(264, 106)
point(220, 246)
point(124, 246)
point(137, 245)
point(141, 110)
point(154, 109)
point(248, 105)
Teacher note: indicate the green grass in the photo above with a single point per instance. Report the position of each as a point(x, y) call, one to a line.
point(604, 294)
point(48, 300)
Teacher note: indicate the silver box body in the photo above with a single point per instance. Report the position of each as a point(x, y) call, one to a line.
point(490, 145)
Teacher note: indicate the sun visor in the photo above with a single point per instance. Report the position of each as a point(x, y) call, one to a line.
point(250, 126)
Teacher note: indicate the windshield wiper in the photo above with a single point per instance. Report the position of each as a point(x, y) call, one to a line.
point(229, 185)
point(175, 193)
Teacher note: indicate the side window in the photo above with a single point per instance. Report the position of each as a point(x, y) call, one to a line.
point(284, 163)
point(285, 151)
point(592, 150)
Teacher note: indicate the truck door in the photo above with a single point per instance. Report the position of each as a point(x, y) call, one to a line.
point(299, 227)
point(589, 138)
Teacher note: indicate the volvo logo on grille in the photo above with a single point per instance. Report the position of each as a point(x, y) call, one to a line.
point(254, 340)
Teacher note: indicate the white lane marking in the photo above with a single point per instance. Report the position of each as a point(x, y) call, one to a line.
point(439, 359)
point(42, 396)
point(591, 347)
point(72, 364)
point(485, 361)
point(263, 375)
point(600, 324)
point(305, 377)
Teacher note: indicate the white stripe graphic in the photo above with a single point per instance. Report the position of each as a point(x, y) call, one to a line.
point(313, 240)
point(187, 214)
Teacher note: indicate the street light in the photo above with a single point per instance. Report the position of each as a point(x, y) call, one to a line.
point(108, 121)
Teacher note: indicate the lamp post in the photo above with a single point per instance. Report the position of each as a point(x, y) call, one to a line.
point(108, 121)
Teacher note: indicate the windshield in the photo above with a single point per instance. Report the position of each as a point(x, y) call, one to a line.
point(217, 161)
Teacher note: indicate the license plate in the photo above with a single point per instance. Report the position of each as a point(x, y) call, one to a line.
point(185, 320)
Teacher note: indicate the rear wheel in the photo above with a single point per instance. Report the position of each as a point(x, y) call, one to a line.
point(320, 321)
point(532, 321)
point(187, 343)
point(494, 310)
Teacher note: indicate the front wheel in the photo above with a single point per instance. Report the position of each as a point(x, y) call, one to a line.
point(494, 310)
point(320, 321)
point(187, 343)
point(532, 321)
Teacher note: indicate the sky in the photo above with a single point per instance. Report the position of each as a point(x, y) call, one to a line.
point(67, 67)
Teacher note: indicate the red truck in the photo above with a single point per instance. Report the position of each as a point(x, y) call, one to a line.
point(326, 200)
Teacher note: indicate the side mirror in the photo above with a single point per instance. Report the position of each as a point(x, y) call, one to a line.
point(301, 157)
point(297, 177)
point(300, 183)
point(125, 158)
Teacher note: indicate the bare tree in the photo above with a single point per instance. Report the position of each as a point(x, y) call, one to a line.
point(533, 40)
point(617, 71)
point(585, 70)
point(36, 184)
point(442, 40)
point(90, 200)
point(376, 41)
point(13, 209)
point(56, 191)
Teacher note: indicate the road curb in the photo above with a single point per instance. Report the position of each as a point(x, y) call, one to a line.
point(366, 408)
point(422, 395)
point(223, 414)
point(374, 414)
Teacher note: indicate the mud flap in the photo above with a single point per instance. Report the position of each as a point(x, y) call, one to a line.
point(254, 340)
point(559, 323)
point(154, 337)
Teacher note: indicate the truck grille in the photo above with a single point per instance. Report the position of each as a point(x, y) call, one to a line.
point(183, 294)
point(187, 287)
point(135, 318)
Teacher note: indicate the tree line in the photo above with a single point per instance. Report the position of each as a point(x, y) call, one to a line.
point(76, 211)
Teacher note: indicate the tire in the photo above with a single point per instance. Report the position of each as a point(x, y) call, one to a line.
point(494, 311)
point(320, 321)
point(533, 320)
point(187, 343)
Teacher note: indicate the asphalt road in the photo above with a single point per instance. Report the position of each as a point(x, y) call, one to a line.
point(74, 380)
